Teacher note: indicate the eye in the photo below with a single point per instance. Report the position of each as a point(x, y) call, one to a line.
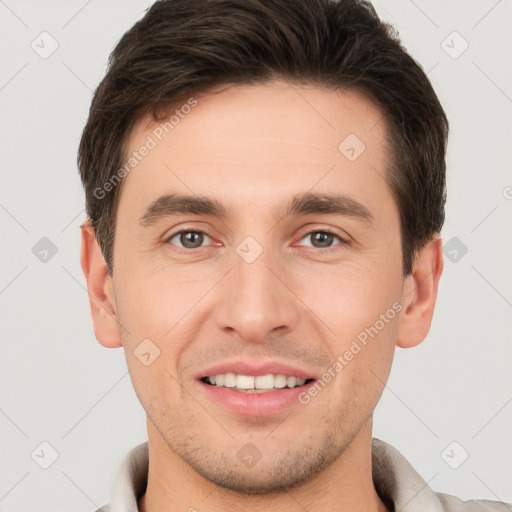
point(189, 239)
point(194, 239)
point(322, 239)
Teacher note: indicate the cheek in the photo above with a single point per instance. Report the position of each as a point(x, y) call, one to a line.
point(155, 304)
point(156, 311)
point(350, 298)
point(360, 307)
point(361, 369)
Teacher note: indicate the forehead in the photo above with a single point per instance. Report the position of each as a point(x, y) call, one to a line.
point(258, 140)
point(306, 113)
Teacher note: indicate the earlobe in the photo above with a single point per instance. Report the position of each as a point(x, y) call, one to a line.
point(100, 288)
point(420, 294)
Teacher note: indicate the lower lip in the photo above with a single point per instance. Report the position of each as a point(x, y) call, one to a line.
point(255, 404)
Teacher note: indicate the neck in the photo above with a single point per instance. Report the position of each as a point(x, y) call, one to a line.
point(346, 484)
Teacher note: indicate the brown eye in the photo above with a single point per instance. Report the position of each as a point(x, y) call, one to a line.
point(322, 239)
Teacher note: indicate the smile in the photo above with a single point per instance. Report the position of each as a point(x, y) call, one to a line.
point(255, 384)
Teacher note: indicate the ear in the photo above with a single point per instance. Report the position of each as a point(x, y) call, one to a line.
point(419, 294)
point(100, 288)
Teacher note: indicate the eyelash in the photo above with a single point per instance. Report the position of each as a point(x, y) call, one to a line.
point(343, 242)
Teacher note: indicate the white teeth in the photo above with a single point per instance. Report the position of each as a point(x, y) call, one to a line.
point(291, 381)
point(280, 381)
point(244, 382)
point(264, 381)
point(229, 380)
point(258, 384)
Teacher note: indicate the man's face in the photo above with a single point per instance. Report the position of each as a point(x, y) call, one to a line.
point(260, 292)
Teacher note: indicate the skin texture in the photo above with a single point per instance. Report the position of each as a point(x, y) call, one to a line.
point(252, 148)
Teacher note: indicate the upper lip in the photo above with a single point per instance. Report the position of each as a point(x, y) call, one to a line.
point(255, 368)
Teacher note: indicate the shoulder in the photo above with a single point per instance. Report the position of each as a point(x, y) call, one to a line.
point(397, 482)
point(454, 504)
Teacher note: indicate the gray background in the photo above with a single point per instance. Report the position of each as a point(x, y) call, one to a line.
point(59, 386)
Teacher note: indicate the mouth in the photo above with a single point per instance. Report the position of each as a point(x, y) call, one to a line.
point(255, 383)
point(254, 388)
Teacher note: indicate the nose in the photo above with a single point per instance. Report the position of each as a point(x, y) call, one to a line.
point(256, 301)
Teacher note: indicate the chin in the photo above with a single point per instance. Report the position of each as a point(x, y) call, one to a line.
point(274, 473)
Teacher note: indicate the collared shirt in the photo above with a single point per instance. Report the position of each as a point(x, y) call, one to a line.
point(395, 480)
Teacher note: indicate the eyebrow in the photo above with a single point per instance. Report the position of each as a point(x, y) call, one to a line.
point(170, 204)
point(303, 204)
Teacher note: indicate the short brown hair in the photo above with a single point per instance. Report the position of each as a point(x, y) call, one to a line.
point(185, 47)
